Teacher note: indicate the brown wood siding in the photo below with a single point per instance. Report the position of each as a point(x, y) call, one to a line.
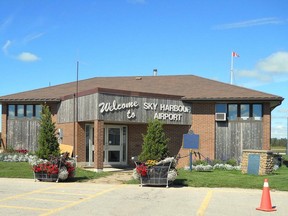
point(22, 134)
point(142, 115)
point(88, 109)
point(232, 137)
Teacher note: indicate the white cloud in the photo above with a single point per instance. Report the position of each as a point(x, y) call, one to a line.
point(32, 37)
point(249, 23)
point(28, 57)
point(255, 74)
point(6, 46)
point(6, 22)
point(279, 131)
point(270, 69)
point(275, 63)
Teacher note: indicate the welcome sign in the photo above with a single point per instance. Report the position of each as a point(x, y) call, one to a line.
point(136, 109)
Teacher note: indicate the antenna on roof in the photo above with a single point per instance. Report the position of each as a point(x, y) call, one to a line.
point(155, 73)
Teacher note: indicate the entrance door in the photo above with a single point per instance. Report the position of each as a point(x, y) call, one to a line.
point(115, 145)
point(89, 131)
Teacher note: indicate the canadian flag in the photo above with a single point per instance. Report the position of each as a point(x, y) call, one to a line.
point(234, 54)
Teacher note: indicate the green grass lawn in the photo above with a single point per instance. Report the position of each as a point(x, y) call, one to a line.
point(220, 178)
point(216, 178)
point(24, 170)
point(278, 149)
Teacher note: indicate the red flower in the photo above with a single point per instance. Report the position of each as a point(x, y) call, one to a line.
point(142, 169)
point(48, 167)
point(22, 151)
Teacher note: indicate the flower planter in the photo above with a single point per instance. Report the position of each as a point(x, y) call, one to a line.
point(154, 175)
point(43, 176)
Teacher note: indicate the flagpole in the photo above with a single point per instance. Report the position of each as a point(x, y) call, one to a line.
point(231, 69)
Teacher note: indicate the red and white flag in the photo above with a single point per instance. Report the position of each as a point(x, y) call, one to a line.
point(234, 54)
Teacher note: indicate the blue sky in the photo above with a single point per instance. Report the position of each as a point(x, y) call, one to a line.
point(41, 41)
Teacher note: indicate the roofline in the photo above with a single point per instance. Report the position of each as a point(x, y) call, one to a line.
point(30, 100)
point(120, 92)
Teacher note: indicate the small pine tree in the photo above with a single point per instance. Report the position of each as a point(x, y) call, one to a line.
point(47, 141)
point(154, 142)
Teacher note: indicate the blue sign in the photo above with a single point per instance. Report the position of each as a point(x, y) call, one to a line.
point(191, 141)
point(253, 164)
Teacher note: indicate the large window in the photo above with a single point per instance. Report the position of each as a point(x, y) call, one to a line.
point(11, 111)
point(240, 111)
point(232, 111)
point(244, 111)
point(29, 111)
point(257, 111)
point(21, 111)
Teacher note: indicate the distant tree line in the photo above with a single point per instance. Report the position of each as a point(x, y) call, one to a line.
point(278, 142)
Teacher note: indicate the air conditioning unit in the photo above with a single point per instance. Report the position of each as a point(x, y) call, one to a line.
point(220, 116)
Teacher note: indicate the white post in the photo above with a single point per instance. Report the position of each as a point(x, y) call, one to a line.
point(231, 70)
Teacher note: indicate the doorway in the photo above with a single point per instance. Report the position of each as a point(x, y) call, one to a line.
point(115, 145)
point(89, 132)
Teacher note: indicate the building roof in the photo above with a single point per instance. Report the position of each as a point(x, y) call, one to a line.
point(186, 87)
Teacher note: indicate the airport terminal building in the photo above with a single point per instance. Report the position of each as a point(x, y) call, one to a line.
point(104, 118)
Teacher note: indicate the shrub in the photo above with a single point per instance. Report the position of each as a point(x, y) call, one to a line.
point(200, 162)
point(47, 140)
point(154, 142)
point(232, 162)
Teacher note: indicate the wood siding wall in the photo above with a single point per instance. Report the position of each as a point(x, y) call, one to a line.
point(88, 109)
point(233, 137)
point(22, 134)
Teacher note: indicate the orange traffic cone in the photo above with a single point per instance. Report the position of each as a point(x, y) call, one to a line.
point(265, 204)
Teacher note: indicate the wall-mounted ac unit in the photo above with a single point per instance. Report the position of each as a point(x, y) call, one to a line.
point(220, 116)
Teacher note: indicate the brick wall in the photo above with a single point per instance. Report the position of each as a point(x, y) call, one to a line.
point(266, 126)
point(80, 146)
point(203, 123)
point(98, 144)
point(173, 132)
point(4, 126)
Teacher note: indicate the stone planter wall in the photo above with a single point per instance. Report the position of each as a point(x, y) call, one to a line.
point(252, 158)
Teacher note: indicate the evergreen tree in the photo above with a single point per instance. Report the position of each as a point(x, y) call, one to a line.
point(154, 142)
point(47, 141)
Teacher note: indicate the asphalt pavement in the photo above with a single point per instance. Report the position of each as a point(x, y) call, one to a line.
point(27, 197)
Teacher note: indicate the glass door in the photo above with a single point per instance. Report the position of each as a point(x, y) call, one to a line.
point(115, 145)
point(89, 131)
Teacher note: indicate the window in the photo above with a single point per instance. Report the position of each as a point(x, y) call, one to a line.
point(257, 111)
point(38, 110)
point(244, 111)
point(232, 111)
point(11, 111)
point(20, 111)
point(29, 111)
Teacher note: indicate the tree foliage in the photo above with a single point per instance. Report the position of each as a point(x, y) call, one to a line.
point(47, 141)
point(154, 142)
point(278, 142)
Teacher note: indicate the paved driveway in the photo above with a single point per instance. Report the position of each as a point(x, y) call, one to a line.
point(26, 197)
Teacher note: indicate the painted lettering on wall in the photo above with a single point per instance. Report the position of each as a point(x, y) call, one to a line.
point(160, 111)
point(167, 111)
point(114, 106)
